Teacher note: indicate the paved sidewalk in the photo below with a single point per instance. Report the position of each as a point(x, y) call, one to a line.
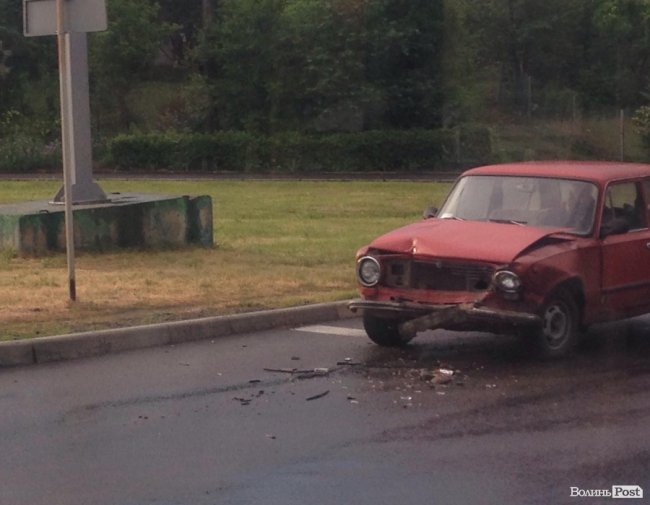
point(96, 343)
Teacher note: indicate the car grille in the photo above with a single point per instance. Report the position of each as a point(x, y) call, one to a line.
point(438, 275)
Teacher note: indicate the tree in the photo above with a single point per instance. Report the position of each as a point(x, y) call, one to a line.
point(404, 60)
point(124, 54)
point(237, 54)
point(325, 64)
point(525, 39)
point(321, 82)
point(621, 52)
point(27, 66)
point(189, 17)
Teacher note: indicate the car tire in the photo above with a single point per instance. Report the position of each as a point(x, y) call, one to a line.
point(560, 329)
point(384, 331)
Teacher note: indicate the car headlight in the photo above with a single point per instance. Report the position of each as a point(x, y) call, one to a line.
point(368, 271)
point(507, 281)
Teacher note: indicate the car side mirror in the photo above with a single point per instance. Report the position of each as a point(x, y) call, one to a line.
point(617, 226)
point(429, 212)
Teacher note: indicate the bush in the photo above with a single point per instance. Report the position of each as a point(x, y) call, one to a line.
point(23, 146)
point(473, 144)
point(192, 151)
point(22, 153)
point(381, 150)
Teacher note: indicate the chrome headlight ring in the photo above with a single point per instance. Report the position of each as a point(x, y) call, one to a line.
point(507, 281)
point(368, 271)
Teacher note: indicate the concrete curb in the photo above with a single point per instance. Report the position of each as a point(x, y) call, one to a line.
point(98, 343)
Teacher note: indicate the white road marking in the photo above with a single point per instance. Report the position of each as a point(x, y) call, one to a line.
point(333, 330)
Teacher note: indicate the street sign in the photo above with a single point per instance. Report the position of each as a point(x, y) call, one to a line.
point(39, 16)
point(69, 20)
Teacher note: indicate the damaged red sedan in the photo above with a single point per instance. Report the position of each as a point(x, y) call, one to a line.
point(540, 249)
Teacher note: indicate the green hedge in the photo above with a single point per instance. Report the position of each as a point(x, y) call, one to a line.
point(151, 151)
point(233, 151)
point(403, 150)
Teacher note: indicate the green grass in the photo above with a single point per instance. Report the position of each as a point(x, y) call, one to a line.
point(278, 243)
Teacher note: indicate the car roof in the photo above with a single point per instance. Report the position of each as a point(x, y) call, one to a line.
point(596, 171)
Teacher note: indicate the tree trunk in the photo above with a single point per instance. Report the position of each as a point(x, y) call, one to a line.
point(207, 12)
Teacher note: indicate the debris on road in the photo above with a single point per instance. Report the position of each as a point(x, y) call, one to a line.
point(247, 401)
point(302, 374)
point(439, 376)
point(315, 372)
point(281, 370)
point(318, 396)
point(348, 362)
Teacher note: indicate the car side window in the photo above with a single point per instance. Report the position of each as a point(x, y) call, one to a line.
point(625, 201)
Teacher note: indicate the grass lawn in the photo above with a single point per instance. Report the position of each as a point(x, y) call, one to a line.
point(278, 243)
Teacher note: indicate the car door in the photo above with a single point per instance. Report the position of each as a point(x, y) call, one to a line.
point(626, 256)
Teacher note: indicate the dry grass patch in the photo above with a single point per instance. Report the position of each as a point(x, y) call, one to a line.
point(278, 244)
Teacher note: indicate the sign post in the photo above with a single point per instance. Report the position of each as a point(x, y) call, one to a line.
point(67, 141)
point(69, 20)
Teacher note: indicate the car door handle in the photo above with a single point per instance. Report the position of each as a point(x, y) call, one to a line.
point(647, 245)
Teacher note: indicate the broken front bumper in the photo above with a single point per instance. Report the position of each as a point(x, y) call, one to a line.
point(420, 317)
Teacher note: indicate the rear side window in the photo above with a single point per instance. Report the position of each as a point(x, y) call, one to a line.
point(625, 201)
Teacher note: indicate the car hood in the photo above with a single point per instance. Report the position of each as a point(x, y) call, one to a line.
point(470, 240)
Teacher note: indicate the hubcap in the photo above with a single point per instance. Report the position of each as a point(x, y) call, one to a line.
point(556, 325)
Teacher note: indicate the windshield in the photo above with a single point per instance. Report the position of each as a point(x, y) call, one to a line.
point(532, 201)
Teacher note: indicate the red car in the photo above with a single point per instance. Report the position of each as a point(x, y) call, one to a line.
point(541, 249)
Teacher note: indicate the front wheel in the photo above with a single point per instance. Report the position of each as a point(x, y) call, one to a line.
point(560, 326)
point(384, 331)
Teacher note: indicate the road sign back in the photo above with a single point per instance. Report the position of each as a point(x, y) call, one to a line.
point(80, 15)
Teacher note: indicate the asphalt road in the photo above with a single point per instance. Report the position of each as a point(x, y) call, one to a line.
point(228, 422)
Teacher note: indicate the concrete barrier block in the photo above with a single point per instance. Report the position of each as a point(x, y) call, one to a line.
point(165, 223)
point(128, 220)
point(199, 220)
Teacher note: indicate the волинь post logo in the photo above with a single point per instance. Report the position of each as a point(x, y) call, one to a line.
point(616, 492)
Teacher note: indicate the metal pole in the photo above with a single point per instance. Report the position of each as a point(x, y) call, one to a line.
point(622, 133)
point(63, 41)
